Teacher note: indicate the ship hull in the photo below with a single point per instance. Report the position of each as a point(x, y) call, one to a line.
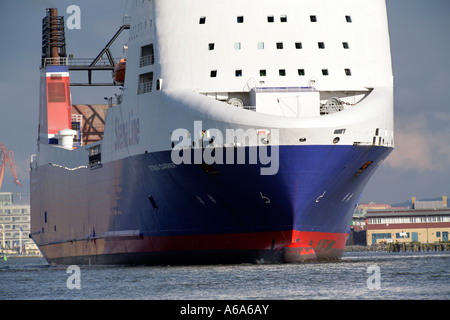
point(144, 209)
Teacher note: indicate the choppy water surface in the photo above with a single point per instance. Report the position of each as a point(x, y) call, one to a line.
point(410, 275)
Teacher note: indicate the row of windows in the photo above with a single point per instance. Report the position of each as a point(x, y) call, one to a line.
point(271, 19)
point(408, 220)
point(399, 235)
point(279, 45)
point(147, 56)
point(381, 236)
point(17, 226)
point(281, 72)
point(8, 211)
point(24, 218)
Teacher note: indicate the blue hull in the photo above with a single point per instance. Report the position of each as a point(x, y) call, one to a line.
point(315, 189)
point(314, 193)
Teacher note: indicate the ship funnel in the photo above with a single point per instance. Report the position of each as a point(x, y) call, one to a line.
point(53, 38)
point(54, 103)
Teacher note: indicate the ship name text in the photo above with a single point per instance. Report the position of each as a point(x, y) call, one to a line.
point(126, 131)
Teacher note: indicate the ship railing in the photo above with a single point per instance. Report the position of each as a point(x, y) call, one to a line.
point(60, 61)
point(78, 62)
point(147, 60)
point(145, 87)
point(276, 86)
point(81, 62)
point(126, 20)
point(267, 89)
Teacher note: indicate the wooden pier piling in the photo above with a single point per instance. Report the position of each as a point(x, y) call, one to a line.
point(417, 246)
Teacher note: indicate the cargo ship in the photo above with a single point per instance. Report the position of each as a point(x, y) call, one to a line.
point(241, 132)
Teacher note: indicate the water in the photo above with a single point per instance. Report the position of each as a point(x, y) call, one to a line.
point(406, 275)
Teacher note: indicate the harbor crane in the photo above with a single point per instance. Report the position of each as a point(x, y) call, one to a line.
point(7, 158)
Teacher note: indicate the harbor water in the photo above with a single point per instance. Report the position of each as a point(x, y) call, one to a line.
point(359, 275)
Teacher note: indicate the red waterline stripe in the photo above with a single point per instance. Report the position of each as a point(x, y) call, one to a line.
point(243, 241)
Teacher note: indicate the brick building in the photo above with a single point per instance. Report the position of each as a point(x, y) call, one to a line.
point(426, 222)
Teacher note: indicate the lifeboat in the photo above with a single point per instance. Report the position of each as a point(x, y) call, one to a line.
point(119, 72)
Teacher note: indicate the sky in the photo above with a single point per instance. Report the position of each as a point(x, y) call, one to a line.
point(420, 45)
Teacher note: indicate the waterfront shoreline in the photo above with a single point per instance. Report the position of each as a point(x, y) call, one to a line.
point(360, 248)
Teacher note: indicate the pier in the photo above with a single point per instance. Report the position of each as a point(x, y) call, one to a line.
point(400, 247)
point(417, 246)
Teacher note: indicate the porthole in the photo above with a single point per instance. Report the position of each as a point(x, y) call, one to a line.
point(336, 140)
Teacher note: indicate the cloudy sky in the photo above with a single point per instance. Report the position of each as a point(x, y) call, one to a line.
point(420, 44)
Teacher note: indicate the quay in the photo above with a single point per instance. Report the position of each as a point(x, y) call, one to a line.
point(417, 246)
point(400, 247)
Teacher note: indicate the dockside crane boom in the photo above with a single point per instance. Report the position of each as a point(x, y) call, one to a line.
point(7, 157)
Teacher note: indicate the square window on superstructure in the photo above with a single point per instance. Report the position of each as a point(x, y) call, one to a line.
point(237, 46)
point(238, 73)
point(345, 45)
point(202, 20)
point(282, 72)
point(147, 56)
point(279, 45)
point(313, 18)
point(324, 72)
point(298, 45)
point(270, 19)
point(321, 45)
point(348, 72)
point(213, 73)
point(145, 83)
point(262, 73)
point(301, 72)
point(283, 18)
point(240, 19)
point(348, 19)
point(211, 46)
point(260, 45)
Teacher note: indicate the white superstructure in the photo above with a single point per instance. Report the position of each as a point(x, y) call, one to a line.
point(317, 70)
point(263, 54)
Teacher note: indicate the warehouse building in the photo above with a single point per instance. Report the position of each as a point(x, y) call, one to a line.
point(426, 222)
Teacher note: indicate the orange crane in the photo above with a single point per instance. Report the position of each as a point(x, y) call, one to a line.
point(7, 157)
